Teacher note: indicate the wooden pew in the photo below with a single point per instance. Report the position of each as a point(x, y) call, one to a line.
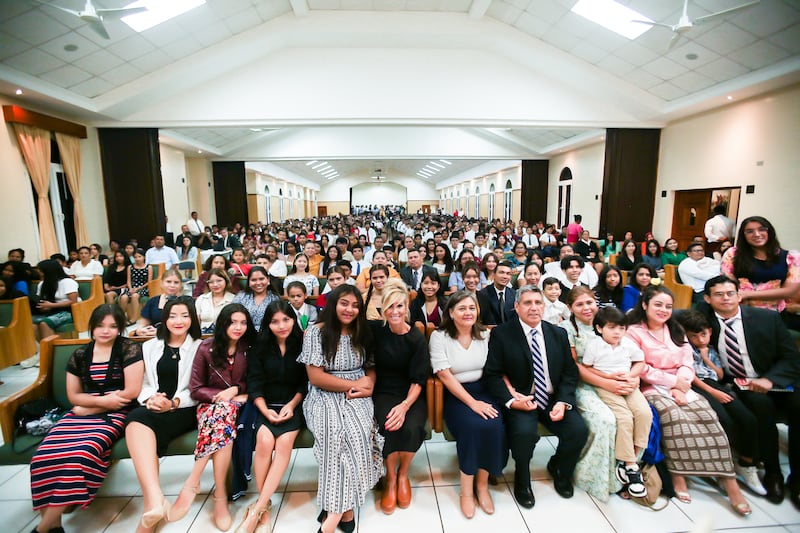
point(17, 335)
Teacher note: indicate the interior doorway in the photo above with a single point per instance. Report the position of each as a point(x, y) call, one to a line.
point(693, 208)
point(322, 210)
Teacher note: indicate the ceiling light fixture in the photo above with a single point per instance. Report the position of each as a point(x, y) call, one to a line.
point(255, 129)
point(18, 92)
point(315, 167)
point(612, 16)
point(311, 163)
point(445, 161)
point(425, 173)
point(329, 172)
point(324, 169)
point(432, 169)
point(730, 97)
point(199, 151)
point(434, 163)
point(158, 11)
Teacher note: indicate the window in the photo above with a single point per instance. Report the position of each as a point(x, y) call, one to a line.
point(477, 202)
point(507, 201)
point(280, 205)
point(564, 196)
point(269, 203)
point(491, 202)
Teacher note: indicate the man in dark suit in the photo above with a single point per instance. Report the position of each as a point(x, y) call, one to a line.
point(755, 346)
point(226, 241)
point(535, 356)
point(500, 295)
point(412, 274)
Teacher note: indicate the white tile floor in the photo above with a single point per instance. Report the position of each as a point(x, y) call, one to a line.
point(434, 476)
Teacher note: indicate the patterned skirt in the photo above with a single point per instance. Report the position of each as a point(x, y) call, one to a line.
point(216, 427)
point(693, 439)
point(72, 461)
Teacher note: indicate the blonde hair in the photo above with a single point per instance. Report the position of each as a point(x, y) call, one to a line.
point(394, 291)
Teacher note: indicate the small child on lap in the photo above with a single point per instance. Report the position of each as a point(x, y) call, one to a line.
point(611, 353)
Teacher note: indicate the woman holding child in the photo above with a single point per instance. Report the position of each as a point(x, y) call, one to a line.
point(595, 472)
point(684, 415)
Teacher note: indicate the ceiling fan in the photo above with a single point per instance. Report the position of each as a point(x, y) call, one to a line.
point(685, 23)
point(95, 17)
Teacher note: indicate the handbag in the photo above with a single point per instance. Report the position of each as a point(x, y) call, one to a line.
point(35, 418)
point(652, 482)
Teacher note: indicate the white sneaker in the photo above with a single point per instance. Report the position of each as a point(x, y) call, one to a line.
point(749, 476)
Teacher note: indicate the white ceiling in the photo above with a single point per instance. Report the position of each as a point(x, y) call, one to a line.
point(394, 81)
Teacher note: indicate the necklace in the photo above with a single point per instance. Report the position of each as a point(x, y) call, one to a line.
point(175, 352)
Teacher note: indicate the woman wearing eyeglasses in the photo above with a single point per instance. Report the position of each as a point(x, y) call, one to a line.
point(768, 275)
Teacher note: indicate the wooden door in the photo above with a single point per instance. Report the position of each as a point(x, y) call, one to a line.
point(689, 215)
point(426, 209)
point(322, 210)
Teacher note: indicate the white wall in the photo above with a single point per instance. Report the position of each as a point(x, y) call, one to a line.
point(380, 193)
point(176, 189)
point(200, 184)
point(586, 165)
point(339, 189)
point(754, 142)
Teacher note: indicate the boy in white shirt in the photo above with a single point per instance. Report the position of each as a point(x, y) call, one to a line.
point(555, 311)
point(613, 355)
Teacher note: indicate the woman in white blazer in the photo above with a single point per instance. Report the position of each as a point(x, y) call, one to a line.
point(167, 409)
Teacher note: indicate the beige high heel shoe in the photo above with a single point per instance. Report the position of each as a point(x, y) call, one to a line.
point(258, 513)
point(154, 516)
point(224, 523)
point(176, 513)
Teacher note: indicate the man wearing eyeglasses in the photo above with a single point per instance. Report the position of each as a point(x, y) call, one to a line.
point(759, 356)
point(696, 269)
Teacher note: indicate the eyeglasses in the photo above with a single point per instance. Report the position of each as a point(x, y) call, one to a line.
point(729, 294)
point(753, 231)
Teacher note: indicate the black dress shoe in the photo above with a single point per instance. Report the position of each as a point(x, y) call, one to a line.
point(524, 495)
point(794, 491)
point(562, 484)
point(773, 482)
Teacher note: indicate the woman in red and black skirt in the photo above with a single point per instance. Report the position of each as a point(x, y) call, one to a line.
point(103, 379)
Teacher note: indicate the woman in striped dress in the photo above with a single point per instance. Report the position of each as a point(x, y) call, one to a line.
point(103, 378)
point(339, 410)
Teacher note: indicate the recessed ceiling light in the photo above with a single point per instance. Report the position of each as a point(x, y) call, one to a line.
point(433, 169)
point(445, 161)
point(434, 163)
point(310, 163)
point(324, 169)
point(199, 151)
point(18, 92)
point(158, 11)
point(315, 167)
point(612, 16)
point(730, 97)
point(70, 47)
point(255, 129)
point(691, 56)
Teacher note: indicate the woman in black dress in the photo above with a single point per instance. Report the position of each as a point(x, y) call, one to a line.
point(401, 369)
point(277, 384)
point(167, 409)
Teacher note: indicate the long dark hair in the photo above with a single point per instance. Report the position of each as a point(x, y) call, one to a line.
point(331, 326)
point(574, 294)
point(328, 262)
point(449, 326)
point(266, 339)
point(258, 268)
point(744, 258)
point(433, 276)
point(20, 274)
point(637, 315)
point(52, 273)
point(207, 264)
point(375, 268)
point(604, 294)
point(219, 352)
point(647, 248)
point(102, 311)
point(448, 259)
point(636, 268)
point(457, 264)
point(194, 329)
point(637, 255)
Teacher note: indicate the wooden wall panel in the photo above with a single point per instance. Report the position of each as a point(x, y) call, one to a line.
point(534, 190)
point(230, 191)
point(132, 179)
point(629, 181)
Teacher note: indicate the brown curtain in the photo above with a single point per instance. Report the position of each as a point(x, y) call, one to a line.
point(70, 149)
point(35, 146)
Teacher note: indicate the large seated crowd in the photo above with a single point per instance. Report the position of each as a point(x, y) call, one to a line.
point(320, 324)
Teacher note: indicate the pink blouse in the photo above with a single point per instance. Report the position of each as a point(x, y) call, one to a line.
point(664, 361)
